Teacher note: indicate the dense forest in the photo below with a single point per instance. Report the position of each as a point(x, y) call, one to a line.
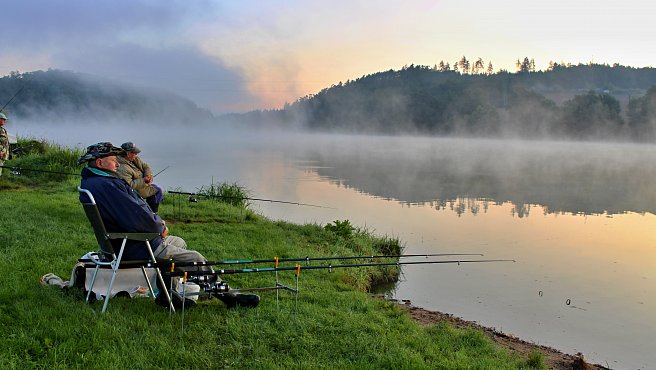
point(590, 101)
point(58, 96)
point(567, 101)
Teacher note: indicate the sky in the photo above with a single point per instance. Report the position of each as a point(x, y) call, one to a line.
point(241, 55)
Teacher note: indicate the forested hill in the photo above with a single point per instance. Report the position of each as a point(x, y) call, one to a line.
point(580, 102)
point(57, 96)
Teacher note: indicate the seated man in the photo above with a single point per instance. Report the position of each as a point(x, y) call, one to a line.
point(139, 175)
point(122, 210)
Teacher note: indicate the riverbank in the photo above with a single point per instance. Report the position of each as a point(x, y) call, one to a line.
point(553, 358)
point(335, 324)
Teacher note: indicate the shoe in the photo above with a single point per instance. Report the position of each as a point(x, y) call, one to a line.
point(232, 300)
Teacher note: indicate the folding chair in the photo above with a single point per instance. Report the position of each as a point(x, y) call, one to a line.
point(106, 257)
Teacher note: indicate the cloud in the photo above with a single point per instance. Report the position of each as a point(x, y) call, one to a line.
point(145, 42)
point(183, 70)
point(261, 53)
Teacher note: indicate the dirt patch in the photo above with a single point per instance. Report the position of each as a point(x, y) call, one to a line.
point(553, 358)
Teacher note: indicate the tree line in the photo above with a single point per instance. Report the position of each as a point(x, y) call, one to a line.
point(591, 101)
point(57, 95)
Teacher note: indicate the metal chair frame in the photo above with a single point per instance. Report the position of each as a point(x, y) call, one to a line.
point(107, 258)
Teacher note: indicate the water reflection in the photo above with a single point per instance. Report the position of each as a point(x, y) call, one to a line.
point(468, 175)
point(577, 217)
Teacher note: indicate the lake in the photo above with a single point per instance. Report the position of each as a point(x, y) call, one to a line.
point(577, 217)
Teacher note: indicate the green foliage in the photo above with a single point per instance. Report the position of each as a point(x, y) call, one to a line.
point(535, 361)
point(343, 229)
point(52, 163)
point(334, 325)
point(439, 101)
point(592, 115)
point(387, 245)
point(27, 146)
point(642, 115)
point(66, 94)
point(230, 193)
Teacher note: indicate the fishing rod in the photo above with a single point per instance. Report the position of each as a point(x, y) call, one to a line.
point(247, 198)
point(17, 92)
point(298, 267)
point(309, 259)
point(17, 171)
point(155, 175)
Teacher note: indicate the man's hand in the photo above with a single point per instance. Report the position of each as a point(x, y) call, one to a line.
point(148, 179)
point(165, 232)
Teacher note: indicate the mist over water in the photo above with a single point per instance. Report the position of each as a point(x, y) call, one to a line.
point(574, 177)
point(577, 217)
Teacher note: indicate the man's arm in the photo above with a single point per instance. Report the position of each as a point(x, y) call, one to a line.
point(144, 167)
point(127, 173)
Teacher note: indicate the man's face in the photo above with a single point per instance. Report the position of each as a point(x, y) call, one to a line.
point(2, 121)
point(107, 163)
point(130, 156)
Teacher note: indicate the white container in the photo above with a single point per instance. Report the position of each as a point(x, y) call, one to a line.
point(191, 290)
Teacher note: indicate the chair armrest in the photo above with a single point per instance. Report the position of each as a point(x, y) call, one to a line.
point(133, 236)
point(90, 263)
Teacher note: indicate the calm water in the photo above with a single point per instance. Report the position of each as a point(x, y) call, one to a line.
point(577, 217)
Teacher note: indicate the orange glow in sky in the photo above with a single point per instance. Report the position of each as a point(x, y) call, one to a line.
point(259, 54)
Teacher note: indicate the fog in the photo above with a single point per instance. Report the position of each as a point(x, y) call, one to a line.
point(573, 177)
point(562, 176)
point(570, 213)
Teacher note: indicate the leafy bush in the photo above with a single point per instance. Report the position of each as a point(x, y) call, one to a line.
point(38, 162)
point(387, 245)
point(233, 194)
point(343, 229)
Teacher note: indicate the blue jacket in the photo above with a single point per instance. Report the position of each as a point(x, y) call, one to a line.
point(122, 210)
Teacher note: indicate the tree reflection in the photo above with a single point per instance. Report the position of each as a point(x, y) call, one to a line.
point(465, 176)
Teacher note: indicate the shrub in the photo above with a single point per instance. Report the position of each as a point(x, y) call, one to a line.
point(42, 162)
point(233, 194)
point(343, 229)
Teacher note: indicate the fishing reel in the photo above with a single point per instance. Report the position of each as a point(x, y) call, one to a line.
point(211, 285)
point(220, 287)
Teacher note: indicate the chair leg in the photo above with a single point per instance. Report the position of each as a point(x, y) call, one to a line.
point(93, 282)
point(111, 283)
point(150, 286)
point(115, 264)
point(164, 290)
point(160, 278)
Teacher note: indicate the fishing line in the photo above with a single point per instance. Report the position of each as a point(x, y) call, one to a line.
point(17, 171)
point(245, 198)
point(17, 92)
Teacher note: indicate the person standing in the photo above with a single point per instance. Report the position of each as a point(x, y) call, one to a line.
point(139, 175)
point(4, 141)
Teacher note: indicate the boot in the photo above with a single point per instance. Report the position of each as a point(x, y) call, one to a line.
point(232, 300)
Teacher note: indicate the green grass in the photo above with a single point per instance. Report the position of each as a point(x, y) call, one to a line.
point(335, 325)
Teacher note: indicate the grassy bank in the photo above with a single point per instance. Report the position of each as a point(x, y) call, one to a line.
point(336, 325)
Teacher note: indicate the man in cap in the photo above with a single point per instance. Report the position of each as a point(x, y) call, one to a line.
point(4, 141)
point(123, 210)
point(139, 175)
